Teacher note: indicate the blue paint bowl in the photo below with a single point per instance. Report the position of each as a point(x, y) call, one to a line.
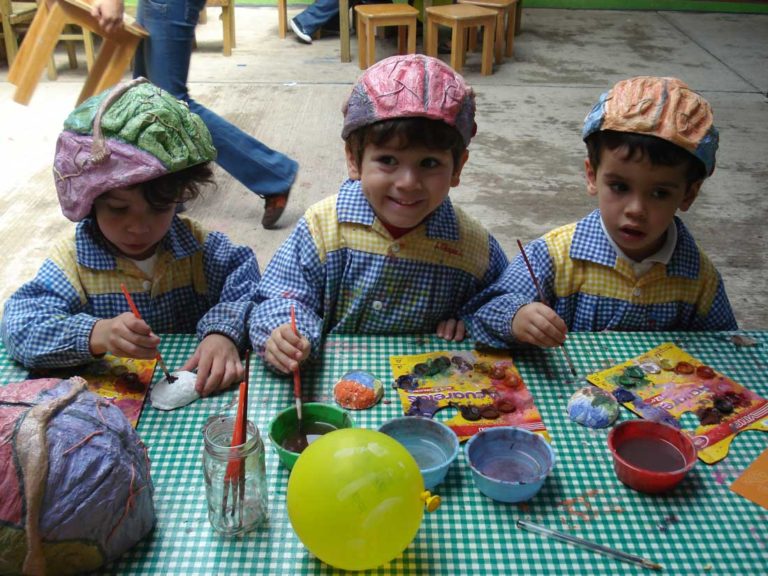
point(509, 464)
point(432, 444)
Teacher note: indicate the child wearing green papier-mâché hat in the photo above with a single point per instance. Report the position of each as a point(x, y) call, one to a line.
point(124, 162)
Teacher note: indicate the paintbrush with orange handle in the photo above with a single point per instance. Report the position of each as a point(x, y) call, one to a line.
point(169, 378)
point(296, 373)
point(544, 301)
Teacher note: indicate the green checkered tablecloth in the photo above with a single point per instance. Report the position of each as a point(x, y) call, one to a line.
point(700, 528)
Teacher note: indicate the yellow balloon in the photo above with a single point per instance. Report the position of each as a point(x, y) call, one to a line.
point(355, 498)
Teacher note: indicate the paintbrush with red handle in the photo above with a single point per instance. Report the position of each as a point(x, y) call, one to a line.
point(544, 301)
point(169, 378)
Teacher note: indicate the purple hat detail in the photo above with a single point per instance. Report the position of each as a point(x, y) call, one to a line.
point(409, 86)
point(129, 134)
point(662, 107)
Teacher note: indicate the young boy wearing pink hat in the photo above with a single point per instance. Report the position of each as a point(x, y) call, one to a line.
point(390, 253)
point(631, 264)
point(125, 160)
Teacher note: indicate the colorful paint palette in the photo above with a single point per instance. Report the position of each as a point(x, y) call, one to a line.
point(124, 381)
point(485, 389)
point(667, 382)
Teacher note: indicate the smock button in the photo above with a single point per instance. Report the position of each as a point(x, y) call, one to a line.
point(146, 284)
point(637, 292)
point(395, 248)
point(377, 305)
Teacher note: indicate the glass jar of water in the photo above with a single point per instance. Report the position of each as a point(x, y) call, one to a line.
point(235, 477)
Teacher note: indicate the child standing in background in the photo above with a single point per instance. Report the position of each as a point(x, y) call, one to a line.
point(124, 162)
point(631, 264)
point(390, 253)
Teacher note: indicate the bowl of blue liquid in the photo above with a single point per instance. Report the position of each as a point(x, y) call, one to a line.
point(509, 464)
point(432, 444)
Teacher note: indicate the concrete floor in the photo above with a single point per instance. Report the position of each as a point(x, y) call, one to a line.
point(524, 175)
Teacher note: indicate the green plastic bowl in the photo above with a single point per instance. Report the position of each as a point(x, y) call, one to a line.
point(286, 423)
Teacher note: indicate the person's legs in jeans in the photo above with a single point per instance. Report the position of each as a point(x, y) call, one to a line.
point(317, 14)
point(164, 59)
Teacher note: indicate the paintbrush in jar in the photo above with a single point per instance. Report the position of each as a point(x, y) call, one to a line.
point(544, 301)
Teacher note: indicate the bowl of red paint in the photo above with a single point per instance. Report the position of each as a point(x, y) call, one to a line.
point(651, 457)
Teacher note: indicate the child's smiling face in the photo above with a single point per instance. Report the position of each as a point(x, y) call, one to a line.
point(638, 199)
point(405, 184)
point(130, 224)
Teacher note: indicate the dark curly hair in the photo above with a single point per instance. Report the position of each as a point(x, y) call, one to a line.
point(416, 131)
point(660, 152)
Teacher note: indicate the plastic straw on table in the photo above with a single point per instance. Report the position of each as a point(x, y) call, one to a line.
point(587, 545)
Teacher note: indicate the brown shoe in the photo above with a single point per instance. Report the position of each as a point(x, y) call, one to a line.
point(274, 206)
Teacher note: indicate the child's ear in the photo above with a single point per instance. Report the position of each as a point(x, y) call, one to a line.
point(690, 195)
point(353, 170)
point(591, 174)
point(456, 177)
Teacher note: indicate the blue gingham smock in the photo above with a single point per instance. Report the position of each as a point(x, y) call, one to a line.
point(593, 289)
point(202, 283)
point(344, 273)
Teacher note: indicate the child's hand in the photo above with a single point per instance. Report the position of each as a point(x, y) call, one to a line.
point(109, 13)
point(538, 324)
point(218, 364)
point(451, 329)
point(285, 350)
point(124, 335)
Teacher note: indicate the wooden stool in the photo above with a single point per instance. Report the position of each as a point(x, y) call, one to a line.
point(371, 16)
point(228, 22)
point(505, 12)
point(459, 18)
point(113, 59)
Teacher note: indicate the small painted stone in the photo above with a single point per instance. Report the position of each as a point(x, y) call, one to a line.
point(178, 393)
point(650, 367)
point(667, 364)
point(634, 372)
point(593, 407)
point(684, 368)
point(705, 372)
point(357, 390)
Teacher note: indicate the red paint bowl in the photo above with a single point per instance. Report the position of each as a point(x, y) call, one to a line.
point(649, 456)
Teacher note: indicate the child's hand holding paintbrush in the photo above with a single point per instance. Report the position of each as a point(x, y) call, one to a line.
point(538, 324)
point(286, 348)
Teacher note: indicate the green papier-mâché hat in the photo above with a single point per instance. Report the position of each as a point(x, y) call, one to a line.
point(128, 134)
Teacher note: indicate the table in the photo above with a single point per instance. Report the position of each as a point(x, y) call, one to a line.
point(702, 527)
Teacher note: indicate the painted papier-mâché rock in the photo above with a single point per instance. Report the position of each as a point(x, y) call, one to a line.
point(593, 407)
point(75, 491)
